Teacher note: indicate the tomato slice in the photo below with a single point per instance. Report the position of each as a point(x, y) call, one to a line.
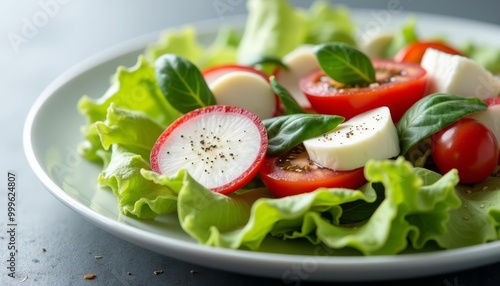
point(468, 146)
point(398, 86)
point(414, 52)
point(293, 173)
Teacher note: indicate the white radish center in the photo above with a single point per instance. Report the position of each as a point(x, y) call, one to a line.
point(215, 148)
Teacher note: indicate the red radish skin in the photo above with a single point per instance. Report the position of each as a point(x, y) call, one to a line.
point(212, 73)
point(222, 147)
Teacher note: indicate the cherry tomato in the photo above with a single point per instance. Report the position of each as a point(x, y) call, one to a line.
point(414, 52)
point(468, 146)
point(398, 86)
point(293, 173)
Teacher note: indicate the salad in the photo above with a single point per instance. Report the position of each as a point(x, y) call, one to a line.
point(292, 128)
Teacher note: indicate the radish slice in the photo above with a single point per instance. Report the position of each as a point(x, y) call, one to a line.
point(213, 73)
point(221, 147)
point(245, 87)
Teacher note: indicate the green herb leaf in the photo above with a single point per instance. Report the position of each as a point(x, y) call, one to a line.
point(291, 106)
point(285, 132)
point(431, 114)
point(345, 64)
point(182, 83)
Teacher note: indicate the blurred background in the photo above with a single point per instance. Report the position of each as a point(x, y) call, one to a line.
point(40, 39)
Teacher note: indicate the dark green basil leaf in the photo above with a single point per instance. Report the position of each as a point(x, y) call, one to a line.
point(285, 132)
point(291, 106)
point(345, 64)
point(182, 83)
point(431, 114)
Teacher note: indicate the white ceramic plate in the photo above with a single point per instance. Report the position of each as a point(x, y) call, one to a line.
point(52, 134)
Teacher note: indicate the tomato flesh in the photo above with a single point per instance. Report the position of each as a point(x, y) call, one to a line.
point(286, 177)
point(398, 86)
point(468, 146)
point(414, 52)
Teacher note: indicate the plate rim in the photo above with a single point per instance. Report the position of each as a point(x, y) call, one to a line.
point(348, 266)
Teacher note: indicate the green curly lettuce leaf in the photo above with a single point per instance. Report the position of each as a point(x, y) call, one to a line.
point(329, 23)
point(185, 43)
point(132, 88)
point(273, 28)
point(477, 221)
point(182, 42)
point(129, 137)
point(131, 129)
point(416, 206)
point(137, 195)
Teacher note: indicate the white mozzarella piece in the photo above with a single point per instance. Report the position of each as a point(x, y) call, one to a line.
point(458, 75)
point(491, 119)
point(300, 62)
point(370, 135)
point(246, 90)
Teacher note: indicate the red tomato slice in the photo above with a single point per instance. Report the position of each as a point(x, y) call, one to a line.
point(293, 173)
point(414, 52)
point(468, 146)
point(398, 86)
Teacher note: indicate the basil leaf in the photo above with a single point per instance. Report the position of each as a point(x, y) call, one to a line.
point(285, 132)
point(182, 83)
point(291, 106)
point(265, 60)
point(345, 64)
point(433, 113)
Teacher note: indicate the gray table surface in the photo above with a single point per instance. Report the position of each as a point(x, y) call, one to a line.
point(56, 246)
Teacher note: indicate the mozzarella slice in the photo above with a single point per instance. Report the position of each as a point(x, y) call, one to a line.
point(246, 90)
point(370, 135)
point(458, 75)
point(300, 62)
point(491, 119)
